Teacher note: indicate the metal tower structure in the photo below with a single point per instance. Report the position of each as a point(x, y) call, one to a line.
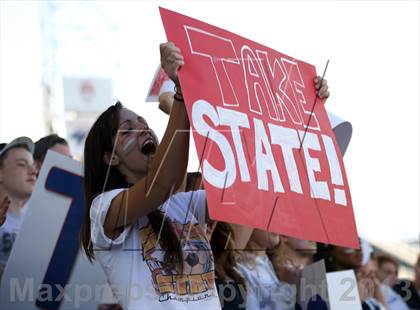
point(79, 38)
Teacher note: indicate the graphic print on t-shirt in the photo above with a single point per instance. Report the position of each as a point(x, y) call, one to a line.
point(6, 242)
point(197, 279)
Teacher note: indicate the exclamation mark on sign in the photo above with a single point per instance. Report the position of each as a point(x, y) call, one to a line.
point(335, 171)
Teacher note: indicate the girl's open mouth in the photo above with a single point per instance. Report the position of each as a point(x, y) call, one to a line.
point(148, 147)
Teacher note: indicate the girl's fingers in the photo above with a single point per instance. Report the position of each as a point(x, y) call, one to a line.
point(323, 92)
point(176, 60)
point(171, 59)
point(176, 50)
point(170, 47)
point(5, 203)
point(179, 57)
point(323, 89)
point(319, 84)
point(3, 212)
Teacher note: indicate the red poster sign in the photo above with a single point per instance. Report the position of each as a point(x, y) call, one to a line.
point(249, 107)
point(158, 82)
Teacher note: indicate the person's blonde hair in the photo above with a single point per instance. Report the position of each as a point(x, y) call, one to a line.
point(278, 255)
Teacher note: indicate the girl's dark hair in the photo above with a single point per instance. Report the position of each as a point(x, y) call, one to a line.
point(193, 181)
point(98, 179)
point(323, 251)
point(224, 252)
point(44, 144)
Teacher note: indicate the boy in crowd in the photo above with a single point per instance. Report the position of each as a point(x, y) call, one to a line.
point(51, 142)
point(17, 180)
point(385, 270)
point(409, 290)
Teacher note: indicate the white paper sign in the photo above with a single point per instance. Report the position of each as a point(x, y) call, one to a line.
point(342, 290)
point(160, 84)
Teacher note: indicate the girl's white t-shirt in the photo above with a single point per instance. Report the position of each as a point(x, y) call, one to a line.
point(134, 264)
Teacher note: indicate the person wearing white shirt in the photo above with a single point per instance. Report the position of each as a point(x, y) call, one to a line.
point(150, 242)
point(17, 181)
